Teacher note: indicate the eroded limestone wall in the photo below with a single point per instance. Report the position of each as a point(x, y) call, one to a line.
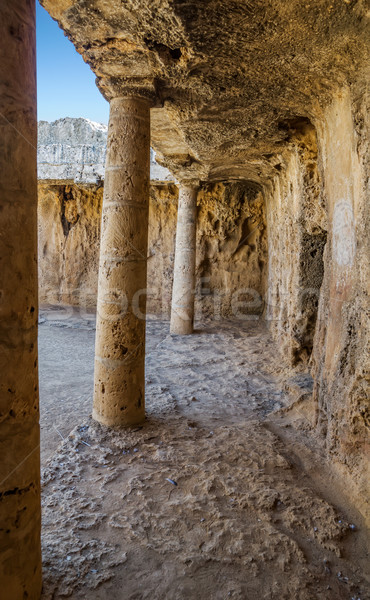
point(318, 281)
point(69, 231)
point(231, 250)
point(341, 350)
point(296, 237)
point(231, 247)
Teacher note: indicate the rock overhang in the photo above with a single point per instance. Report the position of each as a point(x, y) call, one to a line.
point(223, 76)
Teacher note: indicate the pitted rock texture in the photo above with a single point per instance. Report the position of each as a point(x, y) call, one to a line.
point(74, 149)
point(224, 75)
point(318, 296)
point(69, 233)
point(274, 93)
point(231, 247)
point(297, 234)
point(340, 359)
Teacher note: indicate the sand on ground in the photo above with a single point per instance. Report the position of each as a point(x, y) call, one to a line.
point(222, 493)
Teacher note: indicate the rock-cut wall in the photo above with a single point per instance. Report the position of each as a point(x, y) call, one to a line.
point(297, 232)
point(342, 342)
point(231, 247)
point(318, 221)
point(68, 235)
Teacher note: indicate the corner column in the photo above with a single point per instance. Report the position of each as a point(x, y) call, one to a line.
point(20, 510)
point(183, 292)
point(119, 386)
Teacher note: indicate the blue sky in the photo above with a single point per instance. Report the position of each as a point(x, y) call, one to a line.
point(65, 84)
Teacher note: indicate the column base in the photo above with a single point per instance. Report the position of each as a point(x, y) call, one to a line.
point(180, 327)
point(115, 421)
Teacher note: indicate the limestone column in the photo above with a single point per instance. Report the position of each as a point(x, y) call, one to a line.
point(183, 292)
point(119, 388)
point(20, 512)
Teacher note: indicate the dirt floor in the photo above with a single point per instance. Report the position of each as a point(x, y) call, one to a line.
point(217, 496)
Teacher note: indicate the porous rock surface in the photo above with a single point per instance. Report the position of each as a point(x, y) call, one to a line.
point(273, 93)
point(231, 246)
point(224, 75)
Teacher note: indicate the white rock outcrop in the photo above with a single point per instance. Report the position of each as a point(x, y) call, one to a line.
point(74, 149)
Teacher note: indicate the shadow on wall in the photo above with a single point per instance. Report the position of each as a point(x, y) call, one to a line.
point(318, 223)
point(297, 234)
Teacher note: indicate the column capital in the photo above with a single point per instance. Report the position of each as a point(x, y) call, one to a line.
point(189, 183)
point(113, 88)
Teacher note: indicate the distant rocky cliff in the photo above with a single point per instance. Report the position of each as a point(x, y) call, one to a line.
point(74, 149)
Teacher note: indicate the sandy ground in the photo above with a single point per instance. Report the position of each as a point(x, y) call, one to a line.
point(217, 496)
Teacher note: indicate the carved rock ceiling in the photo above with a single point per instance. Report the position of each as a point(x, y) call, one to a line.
point(228, 77)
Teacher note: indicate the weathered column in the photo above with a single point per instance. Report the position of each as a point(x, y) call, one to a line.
point(20, 512)
point(182, 309)
point(119, 394)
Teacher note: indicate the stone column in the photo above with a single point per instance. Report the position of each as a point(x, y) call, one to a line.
point(119, 393)
point(20, 511)
point(182, 309)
